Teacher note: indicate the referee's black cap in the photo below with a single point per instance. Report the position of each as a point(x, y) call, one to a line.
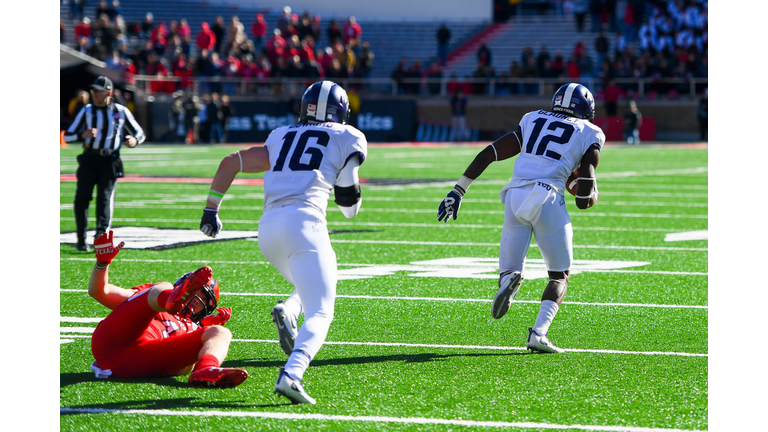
point(102, 83)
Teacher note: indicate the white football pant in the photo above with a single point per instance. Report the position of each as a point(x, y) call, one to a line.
point(295, 240)
point(552, 229)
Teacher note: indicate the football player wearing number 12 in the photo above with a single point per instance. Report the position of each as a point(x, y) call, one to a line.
point(551, 144)
point(302, 163)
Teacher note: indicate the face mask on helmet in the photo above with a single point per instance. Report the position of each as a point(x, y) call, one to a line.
point(324, 101)
point(575, 100)
point(208, 297)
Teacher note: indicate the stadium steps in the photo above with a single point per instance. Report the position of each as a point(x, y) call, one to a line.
point(470, 47)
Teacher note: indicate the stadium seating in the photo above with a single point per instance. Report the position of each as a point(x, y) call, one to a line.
point(507, 42)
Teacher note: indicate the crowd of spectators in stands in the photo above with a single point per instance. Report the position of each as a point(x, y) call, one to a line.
point(247, 51)
point(652, 39)
point(656, 40)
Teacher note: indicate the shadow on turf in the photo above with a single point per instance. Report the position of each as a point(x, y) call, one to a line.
point(406, 358)
point(76, 378)
point(151, 404)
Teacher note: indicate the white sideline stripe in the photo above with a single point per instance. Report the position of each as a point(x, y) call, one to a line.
point(198, 262)
point(370, 419)
point(471, 347)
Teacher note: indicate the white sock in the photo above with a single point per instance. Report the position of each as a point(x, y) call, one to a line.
point(297, 364)
point(547, 312)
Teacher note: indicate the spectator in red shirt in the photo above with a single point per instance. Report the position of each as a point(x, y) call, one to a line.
point(579, 50)
point(324, 57)
point(275, 46)
point(248, 68)
point(159, 37)
point(185, 73)
point(83, 29)
point(572, 71)
point(184, 31)
point(352, 32)
point(259, 32)
point(129, 70)
point(307, 51)
point(206, 40)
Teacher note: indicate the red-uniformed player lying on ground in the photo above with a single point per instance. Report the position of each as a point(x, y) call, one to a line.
point(160, 330)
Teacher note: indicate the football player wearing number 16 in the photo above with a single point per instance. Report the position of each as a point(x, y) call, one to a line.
point(551, 144)
point(303, 162)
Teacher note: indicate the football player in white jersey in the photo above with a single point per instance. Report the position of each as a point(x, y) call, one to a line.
point(303, 162)
point(552, 145)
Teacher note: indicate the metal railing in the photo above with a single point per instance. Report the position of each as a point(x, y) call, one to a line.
point(640, 88)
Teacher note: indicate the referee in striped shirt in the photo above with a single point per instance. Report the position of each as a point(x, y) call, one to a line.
point(103, 126)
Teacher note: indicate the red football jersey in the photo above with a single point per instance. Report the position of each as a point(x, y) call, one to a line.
point(165, 325)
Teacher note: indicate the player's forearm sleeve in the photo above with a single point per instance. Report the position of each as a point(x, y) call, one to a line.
point(347, 193)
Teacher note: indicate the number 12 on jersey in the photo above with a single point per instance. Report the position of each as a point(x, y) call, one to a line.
point(541, 149)
point(316, 154)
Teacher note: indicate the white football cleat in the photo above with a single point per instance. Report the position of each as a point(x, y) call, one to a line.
point(286, 327)
point(292, 389)
point(541, 343)
point(508, 289)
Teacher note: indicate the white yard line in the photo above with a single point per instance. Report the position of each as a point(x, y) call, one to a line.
point(429, 299)
point(438, 346)
point(365, 419)
point(200, 262)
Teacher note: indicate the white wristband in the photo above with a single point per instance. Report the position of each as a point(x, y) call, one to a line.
point(464, 183)
point(241, 161)
point(595, 194)
point(215, 197)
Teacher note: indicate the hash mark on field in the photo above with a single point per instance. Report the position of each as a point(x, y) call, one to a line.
point(368, 419)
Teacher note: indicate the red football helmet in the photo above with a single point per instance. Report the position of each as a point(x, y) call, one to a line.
point(208, 296)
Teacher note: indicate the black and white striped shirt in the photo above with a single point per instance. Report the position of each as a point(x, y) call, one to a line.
point(111, 121)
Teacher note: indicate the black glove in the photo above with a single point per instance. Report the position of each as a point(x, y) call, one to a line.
point(210, 224)
point(450, 204)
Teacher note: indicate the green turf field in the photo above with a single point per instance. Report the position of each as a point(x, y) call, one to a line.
point(413, 345)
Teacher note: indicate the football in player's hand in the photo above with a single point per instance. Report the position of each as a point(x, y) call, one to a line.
point(570, 184)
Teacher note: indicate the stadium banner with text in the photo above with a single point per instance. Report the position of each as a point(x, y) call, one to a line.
point(386, 120)
point(381, 120)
